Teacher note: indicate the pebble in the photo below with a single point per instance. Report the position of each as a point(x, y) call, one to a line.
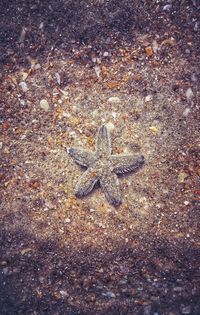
point(114, 114)
point(98, 60)
point(57, 75)
point(67, 220)
point(24, 76)
point(109, 294)
point(186, 112)
point(101, 225)
point(178, 289)
point(153, 129)
point(65, 114)
point(22, 102)
point(182, 176)
point(6, 150)
point(155, 46)
point(148, 98)
point(25, 250)
point(186, 309)
point(186, 202)
point(22, 35)
point(196, 26)
point(114, 99)
point(41, 26)
point(94, 59)
point(49, 205)
point(167, 7)
point(194, 77)
point(23, 86)
point(64, 293)
point(110, 126)
point(1, 145)
point(41, 279)
point(105, 54)
point(44, 105)
point(149, 51)
point(97, 70)
point(189, 94)
point(37, 66)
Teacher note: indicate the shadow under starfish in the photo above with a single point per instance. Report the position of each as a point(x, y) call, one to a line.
point(104, 167)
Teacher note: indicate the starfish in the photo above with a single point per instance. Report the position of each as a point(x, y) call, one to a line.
point(104, 167)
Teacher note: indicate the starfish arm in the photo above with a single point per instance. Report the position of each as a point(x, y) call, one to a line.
point(103, 145)
point(110, 185)
point(126, 163)
point(86, 182)
point(82, 157)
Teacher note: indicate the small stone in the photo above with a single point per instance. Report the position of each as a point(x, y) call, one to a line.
point(66, 114)
point(109, 294)
point(24, 76)
point(23, 86)
point(41, 26)
point(5, 125)
point(98, 60)
point(194, 77)
point(37, 66)
point(186, 112)
point(67, 220)
point(97, 70)
point(91, 297)
point(182, 176)
point(6, 150)
point(1, 145)
point(196, 26)
point(178, 289)
point(49, 205)
point(101, 225)
point(189, 94)
point(92, 210)
point(149, 51)
point(22, 102)
point(112, 85)
point(167, 7)
point(114, 99)
point(22, 34)
point(64, 293)
point(153, 129)
point(105, 54)
point(25, 250)
point(57, 75)
point(186, 202)
point(110, 126)
point(44, 105)
point(148, 98)
point(114, 114)
point(155, 46)
point(185, 309)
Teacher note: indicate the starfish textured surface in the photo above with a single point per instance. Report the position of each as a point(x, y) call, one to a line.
point(102, 166)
